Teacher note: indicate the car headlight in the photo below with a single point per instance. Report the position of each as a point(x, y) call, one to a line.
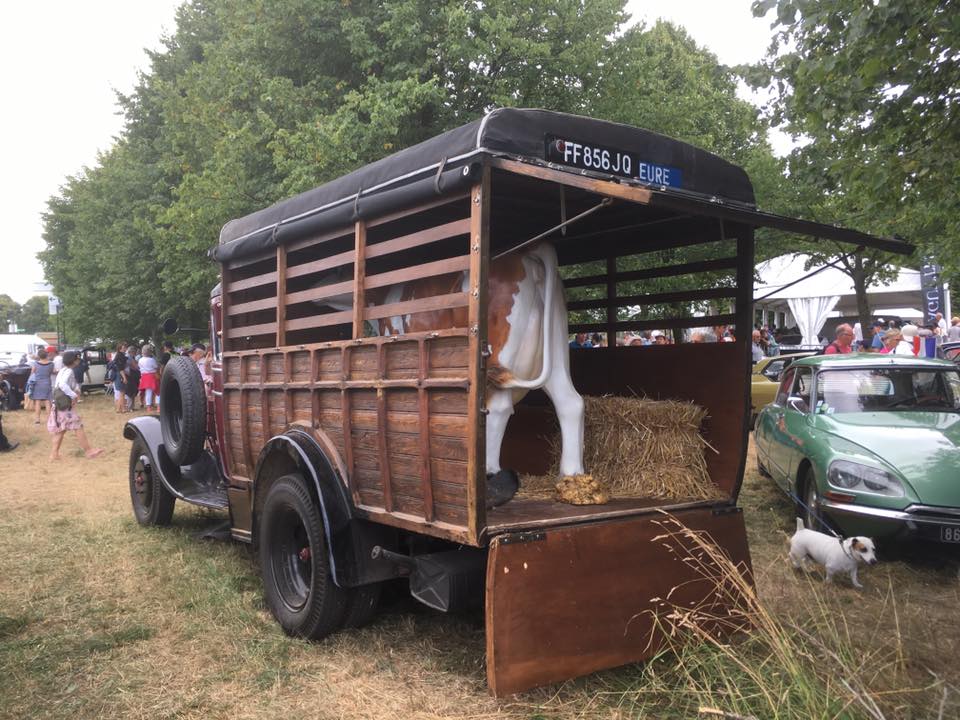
point(847, 475)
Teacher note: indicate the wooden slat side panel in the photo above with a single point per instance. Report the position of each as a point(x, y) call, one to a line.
point(584, 598)
point(276, 407)
point(300, 366)
point(231, 369)
point(402, 360)
point(424, 237)
point(430, 269)
point(363, 363)
point(410, 307)
point(302, 407)
point(276, 370)
point(330, 364)
point(449, 357)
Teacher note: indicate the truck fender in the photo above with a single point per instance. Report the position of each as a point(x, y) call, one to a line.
point(349, 538)
point(148, 428)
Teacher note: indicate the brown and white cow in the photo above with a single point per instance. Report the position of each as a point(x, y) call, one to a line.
point(527, 333)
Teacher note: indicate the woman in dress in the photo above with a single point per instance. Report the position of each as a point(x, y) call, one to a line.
point(42, 393)
point(60, 421)
point(133, 380)
point(149, 382)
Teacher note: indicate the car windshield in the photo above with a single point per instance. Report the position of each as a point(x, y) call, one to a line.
point(876, 389)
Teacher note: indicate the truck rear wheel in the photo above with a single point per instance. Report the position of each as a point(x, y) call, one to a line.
point(152, 502)
point(297, 582)
point(183, 410)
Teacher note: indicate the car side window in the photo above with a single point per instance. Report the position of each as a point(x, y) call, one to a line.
point(801, 388)
point(784, 392)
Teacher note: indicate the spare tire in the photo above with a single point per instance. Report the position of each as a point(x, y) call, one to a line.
point(183, 410)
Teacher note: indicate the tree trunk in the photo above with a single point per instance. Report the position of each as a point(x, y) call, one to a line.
point(863, 303)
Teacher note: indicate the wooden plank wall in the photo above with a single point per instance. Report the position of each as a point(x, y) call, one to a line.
point(394, 407)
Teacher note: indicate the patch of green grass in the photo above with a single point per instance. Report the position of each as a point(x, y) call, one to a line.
point(11, 626)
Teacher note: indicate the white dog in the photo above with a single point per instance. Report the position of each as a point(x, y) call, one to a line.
point(835, 554)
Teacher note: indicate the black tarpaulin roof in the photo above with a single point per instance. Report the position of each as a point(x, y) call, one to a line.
point(709, 183)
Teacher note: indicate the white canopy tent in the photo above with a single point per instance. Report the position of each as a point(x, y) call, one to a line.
point(809, 302)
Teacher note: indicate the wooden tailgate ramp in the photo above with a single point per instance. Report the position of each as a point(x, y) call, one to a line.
point(569, 601)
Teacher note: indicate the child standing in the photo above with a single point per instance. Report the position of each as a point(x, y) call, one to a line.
point(149, 383)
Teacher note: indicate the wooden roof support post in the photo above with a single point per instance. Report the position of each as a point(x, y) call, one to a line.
point(281, 295)
point(480, 197)
point(359, 278)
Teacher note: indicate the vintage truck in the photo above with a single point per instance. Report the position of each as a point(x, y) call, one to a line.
point(347, 430)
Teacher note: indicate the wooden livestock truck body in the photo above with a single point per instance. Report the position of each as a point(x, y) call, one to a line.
point(387, 430)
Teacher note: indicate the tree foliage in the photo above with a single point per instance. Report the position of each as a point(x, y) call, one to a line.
point(873, 87)
point(35, 315)
point(250, 101)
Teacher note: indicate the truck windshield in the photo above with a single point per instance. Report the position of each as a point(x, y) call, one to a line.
point(879, 389)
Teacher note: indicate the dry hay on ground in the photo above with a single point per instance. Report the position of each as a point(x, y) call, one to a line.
point(637, 448)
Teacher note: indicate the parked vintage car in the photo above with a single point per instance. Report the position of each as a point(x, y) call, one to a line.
point(13, 385)
point(765, 381)
point(868, 443)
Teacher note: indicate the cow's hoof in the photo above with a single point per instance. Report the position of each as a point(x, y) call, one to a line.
point(501, 487)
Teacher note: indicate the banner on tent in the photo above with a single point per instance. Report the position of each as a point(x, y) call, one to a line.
point(931, 287)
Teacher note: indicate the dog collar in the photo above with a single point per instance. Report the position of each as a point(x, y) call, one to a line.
point(849, 555)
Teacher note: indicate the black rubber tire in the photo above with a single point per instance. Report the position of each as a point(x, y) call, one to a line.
point(183, 410)
point(811, 499)
point(297, 583)
point(152, 502)
point(362, 605)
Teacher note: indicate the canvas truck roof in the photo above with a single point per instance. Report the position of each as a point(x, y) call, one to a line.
point(682, 177)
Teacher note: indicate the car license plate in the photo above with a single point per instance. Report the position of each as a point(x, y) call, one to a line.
point(611, 161)
point(950, 534)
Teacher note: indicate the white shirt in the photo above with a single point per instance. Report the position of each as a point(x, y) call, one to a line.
point(58, 363)
point(148, 364)
point(903, 348)
point(67, 382)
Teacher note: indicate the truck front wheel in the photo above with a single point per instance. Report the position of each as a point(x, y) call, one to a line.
point(297, 581)
point(152, 502)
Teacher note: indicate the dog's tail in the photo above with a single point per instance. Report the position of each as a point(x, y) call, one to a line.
point(799, 524)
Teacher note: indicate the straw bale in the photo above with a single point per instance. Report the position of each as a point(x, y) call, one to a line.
point(637, 448)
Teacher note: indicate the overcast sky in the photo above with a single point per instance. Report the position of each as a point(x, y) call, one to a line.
point(63, 61)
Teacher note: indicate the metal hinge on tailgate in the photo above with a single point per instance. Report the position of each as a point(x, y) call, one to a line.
point(523, 537)
point(726, 510)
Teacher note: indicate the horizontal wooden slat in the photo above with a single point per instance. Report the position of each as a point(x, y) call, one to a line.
point(346, 231)
point(265, 329)
point(244, 262)
point(654, 298)
point(406, 212)
point(424, 237)
point(440, 267)
point(265, 304)
point(729, 263)
point(318, 293)
point(438, 302)
point(687, 322)
point(344, 258)
point(255, 281)
point(337, 318)
point(606, 187)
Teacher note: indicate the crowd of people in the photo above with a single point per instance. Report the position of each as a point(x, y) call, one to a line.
point(54, 387)
point(720, 333)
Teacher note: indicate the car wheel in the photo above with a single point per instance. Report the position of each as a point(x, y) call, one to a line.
point(810, 511)
point(152, 502)
point(297, 582)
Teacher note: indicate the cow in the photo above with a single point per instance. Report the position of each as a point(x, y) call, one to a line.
point(527, 334)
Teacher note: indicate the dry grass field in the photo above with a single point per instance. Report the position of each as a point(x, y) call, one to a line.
point(102, 618)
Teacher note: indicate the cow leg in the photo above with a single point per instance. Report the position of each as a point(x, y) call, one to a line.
point(569, 408)
point(502, 485)
point(499, 410)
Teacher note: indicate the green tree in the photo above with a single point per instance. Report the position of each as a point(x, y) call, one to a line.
point(873, 87)
point(35, 316)
point(9, 313)
point(250, 101)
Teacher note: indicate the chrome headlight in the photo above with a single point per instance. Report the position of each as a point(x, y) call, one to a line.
point(846, 475)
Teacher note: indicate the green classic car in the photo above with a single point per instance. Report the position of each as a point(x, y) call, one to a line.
point(765, 380)
point(869, 443)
